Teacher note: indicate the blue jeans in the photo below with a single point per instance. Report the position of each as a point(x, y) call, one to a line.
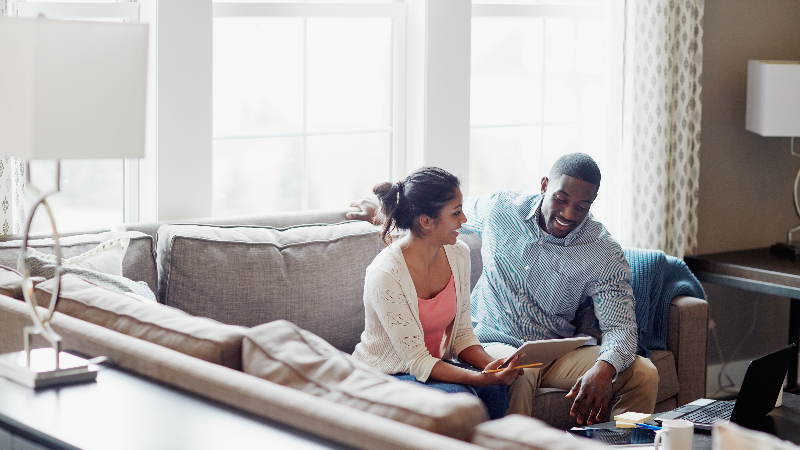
point(495, 398)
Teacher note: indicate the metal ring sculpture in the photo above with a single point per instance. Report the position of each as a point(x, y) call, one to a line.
point(41, 322)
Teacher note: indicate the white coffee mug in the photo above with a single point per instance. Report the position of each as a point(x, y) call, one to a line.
point(678, 435)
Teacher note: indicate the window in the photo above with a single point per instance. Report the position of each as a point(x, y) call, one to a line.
point(542, 85)
point(305, 104)
point(93, 192)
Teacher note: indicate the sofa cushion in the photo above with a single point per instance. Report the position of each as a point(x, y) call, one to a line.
point(202, 338)
point(139, 263)
point(310, 275)
point(517, 432)
point(11, 283)
point(284, 354)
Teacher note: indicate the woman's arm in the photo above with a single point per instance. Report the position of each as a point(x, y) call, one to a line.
point(452, 374)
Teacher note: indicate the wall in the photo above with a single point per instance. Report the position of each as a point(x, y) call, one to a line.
point(745, 179)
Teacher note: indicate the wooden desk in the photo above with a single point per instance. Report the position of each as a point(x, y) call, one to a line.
point(759, 271)
point(124, 411)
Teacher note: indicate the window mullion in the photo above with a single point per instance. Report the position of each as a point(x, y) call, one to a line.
point(304, 195)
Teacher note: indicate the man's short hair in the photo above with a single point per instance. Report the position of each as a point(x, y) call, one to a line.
point(577, 165)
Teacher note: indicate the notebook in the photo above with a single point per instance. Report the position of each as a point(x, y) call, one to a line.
point(761, 386)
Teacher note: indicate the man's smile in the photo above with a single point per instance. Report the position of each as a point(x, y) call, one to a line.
point(564, 223)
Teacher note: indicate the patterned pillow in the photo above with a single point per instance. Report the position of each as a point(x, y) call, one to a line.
point(106, 257)
point(46, 268)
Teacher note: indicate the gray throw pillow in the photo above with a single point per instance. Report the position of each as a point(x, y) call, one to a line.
point(41, 267)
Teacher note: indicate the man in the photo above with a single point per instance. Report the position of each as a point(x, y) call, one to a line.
point(543, 256)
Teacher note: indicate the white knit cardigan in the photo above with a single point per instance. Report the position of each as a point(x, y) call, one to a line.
point(393, 341)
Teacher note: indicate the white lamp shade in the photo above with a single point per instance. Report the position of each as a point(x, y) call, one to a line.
point(72, 89)
point(773, 98)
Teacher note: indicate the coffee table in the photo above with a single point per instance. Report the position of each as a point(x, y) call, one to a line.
point(783, 422)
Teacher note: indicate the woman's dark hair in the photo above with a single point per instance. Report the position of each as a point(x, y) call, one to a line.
point(426, 191)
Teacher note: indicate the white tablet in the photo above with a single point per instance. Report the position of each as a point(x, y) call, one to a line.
point(547, 350)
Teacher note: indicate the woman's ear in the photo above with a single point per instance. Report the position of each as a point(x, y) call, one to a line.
point(425, 222)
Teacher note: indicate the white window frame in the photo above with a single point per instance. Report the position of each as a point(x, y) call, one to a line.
point(544, 12)
point(394, 11)
point(128, 11)
point(606, 10)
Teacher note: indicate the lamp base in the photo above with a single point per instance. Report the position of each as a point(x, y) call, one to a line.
point(42, 370)
point(784, 249)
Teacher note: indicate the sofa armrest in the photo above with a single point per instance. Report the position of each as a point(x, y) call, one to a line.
point(687, 339)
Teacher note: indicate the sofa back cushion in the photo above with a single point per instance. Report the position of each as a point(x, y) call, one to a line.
point(138, 264)
point(474, 242)
point(282, 353)
point(275, 220)
point(310, 275)
point(202, 338)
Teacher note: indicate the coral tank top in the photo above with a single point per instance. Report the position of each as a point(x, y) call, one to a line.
point(436, 315)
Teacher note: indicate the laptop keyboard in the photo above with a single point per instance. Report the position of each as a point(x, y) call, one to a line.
point(710, 414)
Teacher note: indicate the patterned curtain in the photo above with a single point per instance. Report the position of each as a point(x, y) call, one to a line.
point(12, 171)
point(661, 122)
point(12, 193)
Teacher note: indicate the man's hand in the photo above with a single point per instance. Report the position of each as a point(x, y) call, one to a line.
point(592, 393)
point(369, 209)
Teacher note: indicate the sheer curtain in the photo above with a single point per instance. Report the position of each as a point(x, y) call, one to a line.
point(617, 79)
point(661, 123)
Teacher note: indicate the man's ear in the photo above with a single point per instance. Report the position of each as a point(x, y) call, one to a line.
point(544, 185)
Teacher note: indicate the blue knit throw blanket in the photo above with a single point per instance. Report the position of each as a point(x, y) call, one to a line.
point(656, 279)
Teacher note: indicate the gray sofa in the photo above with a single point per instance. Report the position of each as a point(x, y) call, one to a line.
point(243, 272)
point(682, 368)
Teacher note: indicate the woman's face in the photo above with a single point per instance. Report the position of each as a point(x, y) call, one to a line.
point(451, 217)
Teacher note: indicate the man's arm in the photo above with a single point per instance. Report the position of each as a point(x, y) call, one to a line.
point(477, 209)
point(370, 210)
point(613, 305)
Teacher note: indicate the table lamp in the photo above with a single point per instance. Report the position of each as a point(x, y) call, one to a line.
point(68, 90)
point(773, 109)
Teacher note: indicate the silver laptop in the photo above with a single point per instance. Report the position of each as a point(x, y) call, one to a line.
point(762, 384)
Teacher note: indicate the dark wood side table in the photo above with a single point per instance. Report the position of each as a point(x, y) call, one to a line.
point(125, 411)
point(760, 271)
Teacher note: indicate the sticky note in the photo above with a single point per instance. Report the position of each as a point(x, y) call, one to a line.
point(632, 417)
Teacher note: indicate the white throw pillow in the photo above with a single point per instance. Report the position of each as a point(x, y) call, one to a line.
point(729, 436)
point(106, 257)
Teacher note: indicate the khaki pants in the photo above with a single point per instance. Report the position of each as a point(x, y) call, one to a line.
point(634, 389)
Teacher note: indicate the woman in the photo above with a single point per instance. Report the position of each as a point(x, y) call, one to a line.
point(416, 295)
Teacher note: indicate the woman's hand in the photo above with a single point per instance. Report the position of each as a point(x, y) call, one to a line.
point(507, 376)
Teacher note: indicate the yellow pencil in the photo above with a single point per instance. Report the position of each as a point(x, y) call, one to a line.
point(518, 367)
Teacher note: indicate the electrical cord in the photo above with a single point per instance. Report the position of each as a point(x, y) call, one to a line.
point(724, 369)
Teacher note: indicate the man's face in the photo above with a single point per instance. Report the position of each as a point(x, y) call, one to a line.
point(565, 204)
